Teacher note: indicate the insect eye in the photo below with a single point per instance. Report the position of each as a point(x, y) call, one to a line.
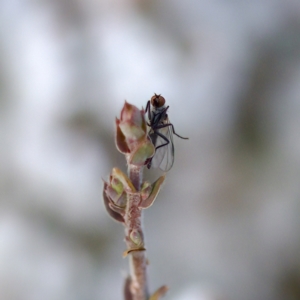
point(158, 100)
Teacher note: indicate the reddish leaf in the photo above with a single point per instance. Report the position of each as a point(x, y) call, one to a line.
point(107, 202)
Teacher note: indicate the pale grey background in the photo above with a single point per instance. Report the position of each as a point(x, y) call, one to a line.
point(226, 224)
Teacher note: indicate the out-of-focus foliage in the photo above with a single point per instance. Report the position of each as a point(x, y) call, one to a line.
point(226, 225)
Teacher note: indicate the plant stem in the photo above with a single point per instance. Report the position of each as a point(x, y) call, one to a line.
point(139, 285)
point(133, 223)
point(135, 174)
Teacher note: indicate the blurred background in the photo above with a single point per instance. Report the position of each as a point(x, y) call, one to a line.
point(226, 224)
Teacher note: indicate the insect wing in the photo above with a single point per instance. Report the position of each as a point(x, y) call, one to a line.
point(164, 156)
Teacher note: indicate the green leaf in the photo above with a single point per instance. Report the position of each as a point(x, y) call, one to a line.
point(142, 152)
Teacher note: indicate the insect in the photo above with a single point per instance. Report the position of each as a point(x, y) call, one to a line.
point(161, 134)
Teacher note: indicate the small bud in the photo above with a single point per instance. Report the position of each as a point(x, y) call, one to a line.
point(118, 200)
point(117, 185)
point(136, 237)
point(116, 215)
point(121, 143)
point(142, 152)
point(122, 200)
point(132, 133)
point(118, 209)
point(146, 190)
point(112, 194)
point(131, 113)
point(131, 129)
point(155, 188)
point(119, 175)
point(115, 192)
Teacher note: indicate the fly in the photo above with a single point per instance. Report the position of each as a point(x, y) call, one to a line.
point(161, 134)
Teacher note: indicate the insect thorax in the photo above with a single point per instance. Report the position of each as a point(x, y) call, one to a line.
point(159, 116)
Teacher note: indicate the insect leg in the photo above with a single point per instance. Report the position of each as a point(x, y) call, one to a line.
point(163, 137)
point(147, 106)
point(149, 113)
point(163, 113)
point(170, 124)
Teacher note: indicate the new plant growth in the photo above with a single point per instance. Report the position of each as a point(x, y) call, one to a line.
point(125, 197)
